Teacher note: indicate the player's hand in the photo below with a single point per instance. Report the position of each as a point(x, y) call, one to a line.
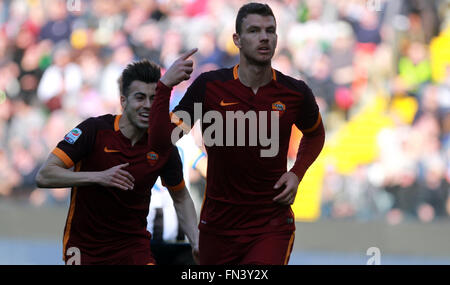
point(195, 255)
point(180, 70)
point(287, 196)
point(116, 177)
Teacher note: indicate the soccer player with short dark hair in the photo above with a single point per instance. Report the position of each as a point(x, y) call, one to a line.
point(114, 171)
point(246, 216)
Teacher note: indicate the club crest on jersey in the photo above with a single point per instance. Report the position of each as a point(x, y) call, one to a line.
point(279, 106)
point(73, 135)
point(152, 157)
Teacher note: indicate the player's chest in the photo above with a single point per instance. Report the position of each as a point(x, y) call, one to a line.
point(236, 99)
point(111, 149)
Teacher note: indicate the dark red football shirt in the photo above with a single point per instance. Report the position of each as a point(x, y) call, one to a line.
point(239, 191)
point(108, 224)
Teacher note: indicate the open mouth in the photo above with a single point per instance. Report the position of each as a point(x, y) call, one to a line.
point(264, 50)
point(144, 116)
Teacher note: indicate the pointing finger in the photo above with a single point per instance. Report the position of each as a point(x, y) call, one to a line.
point(186, 55)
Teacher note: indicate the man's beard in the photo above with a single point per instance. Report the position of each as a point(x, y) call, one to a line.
point(134, 121)
point(253, 61)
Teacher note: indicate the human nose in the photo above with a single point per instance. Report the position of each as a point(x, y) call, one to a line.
point(147, 103)
point(263, 36)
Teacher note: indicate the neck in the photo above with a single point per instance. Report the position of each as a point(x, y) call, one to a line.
point(130, 131)
point(253, 75)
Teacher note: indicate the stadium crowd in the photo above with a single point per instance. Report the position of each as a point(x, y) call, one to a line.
point(60, 61)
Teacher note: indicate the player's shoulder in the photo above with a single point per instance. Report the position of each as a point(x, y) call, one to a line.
point(222, 74)
point(292, 83)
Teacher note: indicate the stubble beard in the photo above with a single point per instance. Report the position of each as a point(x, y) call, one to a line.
point(254, 61)
point(134, 120)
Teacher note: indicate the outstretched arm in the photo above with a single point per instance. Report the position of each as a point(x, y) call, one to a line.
point(55, 174)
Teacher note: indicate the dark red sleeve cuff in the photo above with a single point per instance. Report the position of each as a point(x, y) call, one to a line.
point(162, 87)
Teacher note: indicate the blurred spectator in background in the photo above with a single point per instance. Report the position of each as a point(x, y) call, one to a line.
point(58, 26)
point(61, 81)
point(109, 93)
point(414, 67)
point(58, 67)
point(433, 191)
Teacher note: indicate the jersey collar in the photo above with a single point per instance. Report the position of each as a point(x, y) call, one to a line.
point(236, 74)
point(116, 122)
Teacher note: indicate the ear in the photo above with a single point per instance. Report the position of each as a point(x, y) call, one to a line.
point(237, 40)
point(123, 101)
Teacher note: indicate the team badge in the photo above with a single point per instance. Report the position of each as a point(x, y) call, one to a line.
point(280, 107)
point(152, 158)
point(73, 135)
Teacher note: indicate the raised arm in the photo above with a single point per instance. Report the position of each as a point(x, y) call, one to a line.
point(160, 120)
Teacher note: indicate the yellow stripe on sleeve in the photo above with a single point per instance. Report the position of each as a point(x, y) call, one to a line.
point(314, 127)
point(63, 156)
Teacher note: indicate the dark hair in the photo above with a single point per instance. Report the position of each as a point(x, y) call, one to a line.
point(252, 8)
point(142, 70)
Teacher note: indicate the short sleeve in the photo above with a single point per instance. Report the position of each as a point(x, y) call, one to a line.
point(172, 172)
point(77, 143)
point(309, 117)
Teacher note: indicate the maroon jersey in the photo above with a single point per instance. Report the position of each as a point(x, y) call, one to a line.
point(240, 182)
point(108, 224)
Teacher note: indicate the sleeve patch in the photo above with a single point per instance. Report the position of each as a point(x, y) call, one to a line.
point(73, 135)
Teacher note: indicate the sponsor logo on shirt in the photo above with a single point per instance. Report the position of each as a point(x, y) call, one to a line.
point(224, 104)
point(73, 135)
point(106, 149)
point(152, 157)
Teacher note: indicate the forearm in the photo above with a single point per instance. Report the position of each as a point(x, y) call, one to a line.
point(160, 125)
point(201, 164)
point(58, 177)
point(56, 174)
point(309, 149)
point(187, 216)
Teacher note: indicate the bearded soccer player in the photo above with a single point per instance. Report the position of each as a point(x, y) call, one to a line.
point(246, 216)
point(114, 171)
